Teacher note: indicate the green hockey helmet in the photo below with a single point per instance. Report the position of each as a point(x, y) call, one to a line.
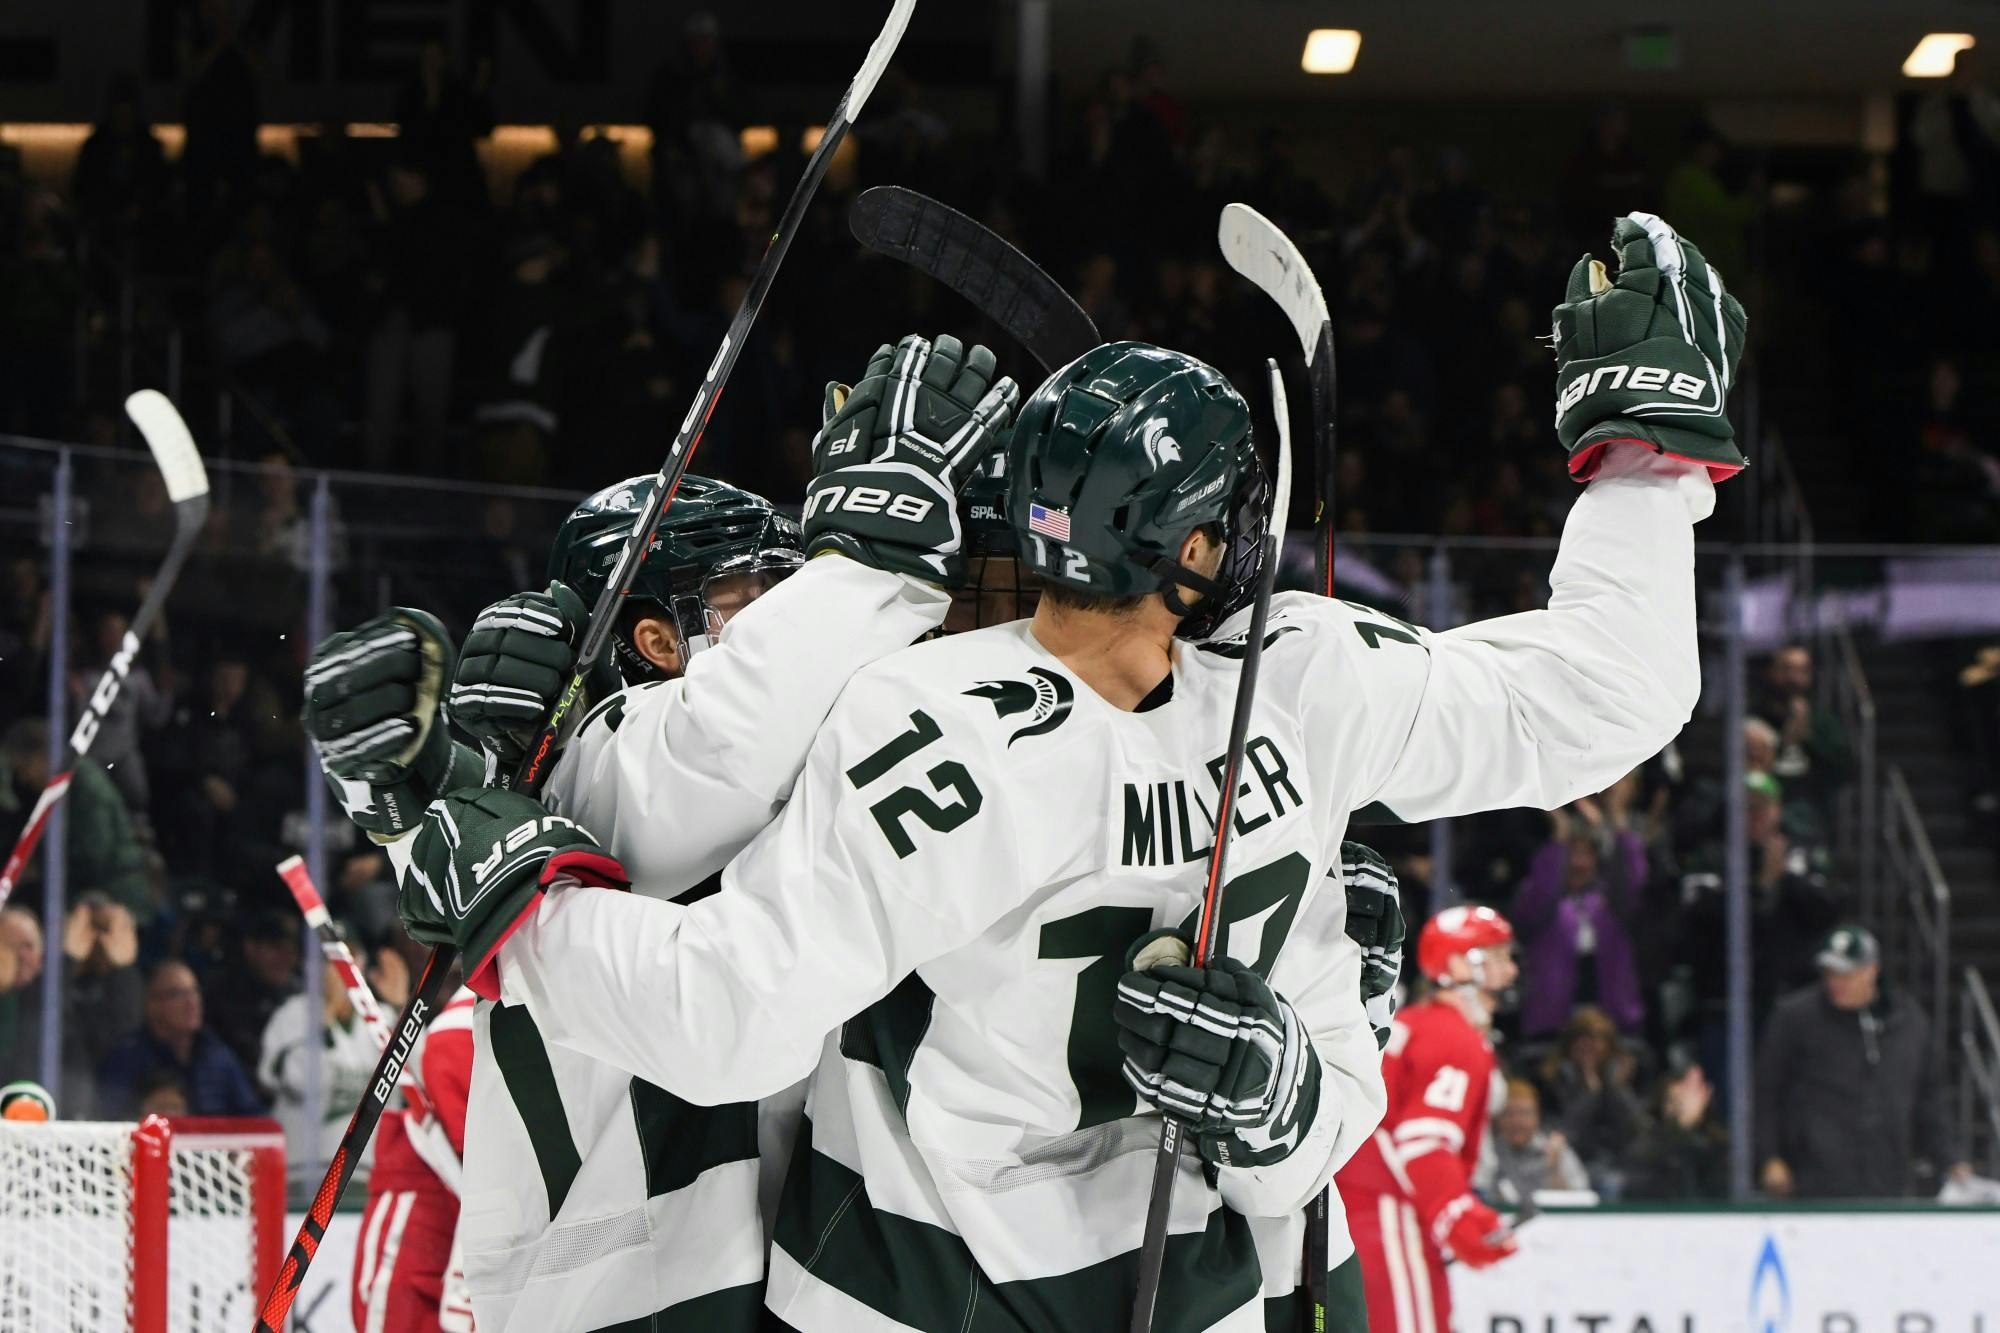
point(1116, 458)
point(717, 549)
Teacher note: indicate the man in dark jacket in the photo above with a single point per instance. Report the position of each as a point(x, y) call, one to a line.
point(1848, 1103)
point(175, 1040)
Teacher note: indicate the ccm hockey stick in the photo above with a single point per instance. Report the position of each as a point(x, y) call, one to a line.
point(1002, 283)
point(306, 894)
point(187, 487)
point(1166, 1163)
point(426, 999)
point(1256, 248)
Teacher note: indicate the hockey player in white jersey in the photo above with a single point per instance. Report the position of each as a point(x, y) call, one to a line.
point(594, 1199)
point(987, 824)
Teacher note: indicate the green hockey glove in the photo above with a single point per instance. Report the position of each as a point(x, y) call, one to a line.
point(1219, 1049)
point(896, 450)
point(480, 864)
point(517, 662)
point(1375, 923)
point(1650, 357)
point(371, 709)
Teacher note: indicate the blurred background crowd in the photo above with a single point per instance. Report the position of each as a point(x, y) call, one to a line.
point(526, 324)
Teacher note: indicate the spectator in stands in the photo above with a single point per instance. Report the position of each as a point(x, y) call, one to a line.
point(1589, 1081)
point(103, 853)
point(141, 706)
point(163, 1093)
point(121, 171)
point(422, 286)
point(259, 974)
point(1979, 704)
point(173, 1039)
point(347, 1060)
point(1683, 1153)
point(25, 616)
point(1814, 757)
point(205, 761)
point(440, 113)
point(221, 108)
point(1701, 204)
point(102, 992)
point(1849, 1103)
point(1519, 1157)
point(1574, 912)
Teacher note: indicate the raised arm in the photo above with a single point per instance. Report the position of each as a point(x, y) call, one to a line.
point(1542, 707)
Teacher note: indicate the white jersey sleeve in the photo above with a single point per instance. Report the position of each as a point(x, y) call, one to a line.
point(676, 777)
point(1544, 706)
point(864, 877)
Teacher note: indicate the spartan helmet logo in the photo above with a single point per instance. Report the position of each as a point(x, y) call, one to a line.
point(1161, 447)
point(1046, 700)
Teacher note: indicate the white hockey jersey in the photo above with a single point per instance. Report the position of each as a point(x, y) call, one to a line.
point(592, 1197)
point(977, 839)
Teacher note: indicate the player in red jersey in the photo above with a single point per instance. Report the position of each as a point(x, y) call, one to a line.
point(1408, 1191)
point(406, 1277)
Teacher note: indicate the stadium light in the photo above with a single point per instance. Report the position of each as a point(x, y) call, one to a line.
point(1330, 50)
point(1934, 56)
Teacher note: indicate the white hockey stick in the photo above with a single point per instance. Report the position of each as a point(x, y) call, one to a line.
point(1256, 248)
point(187, 486)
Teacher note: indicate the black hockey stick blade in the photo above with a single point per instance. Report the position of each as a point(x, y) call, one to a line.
point(1001, 283)
point(180, 465)
point(1166, 1162)
point(1261, 252)
point(540, 757)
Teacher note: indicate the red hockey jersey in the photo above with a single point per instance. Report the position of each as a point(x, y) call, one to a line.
point(1439, 1071)
point(419, 1147)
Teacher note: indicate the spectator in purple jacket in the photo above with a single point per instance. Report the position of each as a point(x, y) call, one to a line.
point(1574, 914)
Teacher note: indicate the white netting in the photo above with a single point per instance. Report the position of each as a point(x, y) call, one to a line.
point(66, 1226)
point(211, 1236)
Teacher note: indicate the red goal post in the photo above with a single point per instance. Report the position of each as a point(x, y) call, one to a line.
point(170, 1224)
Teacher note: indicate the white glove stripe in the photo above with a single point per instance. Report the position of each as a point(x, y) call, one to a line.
point(541, 622)
point(1672, 262)
point(502, 696)
point(368, 739)
point(396, 638)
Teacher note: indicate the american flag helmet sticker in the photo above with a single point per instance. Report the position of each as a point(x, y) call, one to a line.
point(1049, 521)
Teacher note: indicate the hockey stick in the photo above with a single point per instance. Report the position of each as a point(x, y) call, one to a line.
point(1261, 252)
point(1256, 248)
point(1001, 283)
point(534, 770)
point(1166, 1164)
point(306, 894)
point(187, 487)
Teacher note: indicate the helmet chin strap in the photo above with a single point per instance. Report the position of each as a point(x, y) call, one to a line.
point(1174, 576)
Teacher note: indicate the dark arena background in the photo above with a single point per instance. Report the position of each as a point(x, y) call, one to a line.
point(421, 274)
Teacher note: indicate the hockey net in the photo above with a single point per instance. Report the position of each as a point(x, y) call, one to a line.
point(169, 1224)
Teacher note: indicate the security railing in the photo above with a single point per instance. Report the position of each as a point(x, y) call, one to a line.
point(1915, 923)
point(1979, 1081)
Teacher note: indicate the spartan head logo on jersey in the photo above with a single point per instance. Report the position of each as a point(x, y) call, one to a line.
point(1046, 699)
point(1161, 447)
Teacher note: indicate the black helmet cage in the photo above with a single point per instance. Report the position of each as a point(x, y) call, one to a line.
point(1235, 581)
point(711, 531)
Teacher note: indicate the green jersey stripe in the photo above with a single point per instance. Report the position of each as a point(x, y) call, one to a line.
point(524, 1067)
point(922, 1275)
point(730, 1308)
point(887, 1033)
point(680, 1140)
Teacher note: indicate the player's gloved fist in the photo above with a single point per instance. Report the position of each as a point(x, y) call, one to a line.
point(478, 866)
point(1472, 1232)
point(895, 451)
point(517, 661)
point(1650, 356)
point(1375, 923)
point(1217, 1048)
point(371, 708)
